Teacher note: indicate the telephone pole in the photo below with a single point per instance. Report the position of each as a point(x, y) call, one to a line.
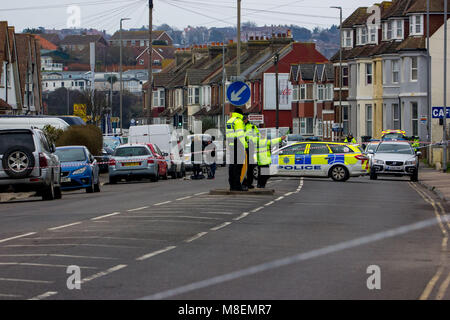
point(277, 92)
point(120, 76)
point(150, 61)
point(444, 137)
point(238, 63)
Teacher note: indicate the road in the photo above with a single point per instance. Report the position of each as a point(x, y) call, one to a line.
point(313, 239)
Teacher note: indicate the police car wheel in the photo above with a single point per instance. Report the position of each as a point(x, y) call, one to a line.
point(339, 173)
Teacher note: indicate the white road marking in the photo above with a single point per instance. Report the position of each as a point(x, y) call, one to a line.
point(242, 216)
point(17, 237)
point(162, 203)
point(152, 254)
point(201, 193)
point(184, 198)
point(44, 295)
point(65, 226)
point(40, 265)
point(288, 194)
point(3, 295)
point(292, 259)
point(269, 203)
point(280, 198)
point(105, 216)
point(223, 225)
point(197, 236)
point(25, 280)
point(104, 273)
point(168, 217)
point(67, 245)
point(137, 209)
point(55, 255)
point(257, 209)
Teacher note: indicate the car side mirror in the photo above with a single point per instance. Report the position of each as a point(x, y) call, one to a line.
point(371, 152)
point(418, 153)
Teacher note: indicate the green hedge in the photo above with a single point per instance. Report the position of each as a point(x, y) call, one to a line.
point(89, 136)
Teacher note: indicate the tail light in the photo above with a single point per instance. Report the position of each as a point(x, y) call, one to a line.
point(150, 161)
point(361, 157)
point(42, 161)
point(112, 162)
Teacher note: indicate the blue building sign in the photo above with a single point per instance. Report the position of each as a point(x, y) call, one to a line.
point(438, 112)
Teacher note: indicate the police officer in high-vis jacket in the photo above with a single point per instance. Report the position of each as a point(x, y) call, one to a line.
point(236, 145)
point(251, 136)
point(264, 156)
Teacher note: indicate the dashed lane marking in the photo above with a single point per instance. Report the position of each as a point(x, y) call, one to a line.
point(137, 209)
point(4, 295)
point(44, 295)
point(40, 265)
point(105, 216)
point(223, 225)
point(17, 237)
point(152, 254)
point(184, 198)
point(162, 203)
point(201, 193)
point(197, 236)
point(64, 226)
point(242, 216)
point(257, 209)
point(104, 273)
point(269, 203)
point(26, 280)
point(54, 255)
point(67, 245)
point(169, 216)
point(279, 199)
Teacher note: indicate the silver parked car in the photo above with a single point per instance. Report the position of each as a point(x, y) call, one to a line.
point(132, 161)
point(28, 163)
point(394, 158)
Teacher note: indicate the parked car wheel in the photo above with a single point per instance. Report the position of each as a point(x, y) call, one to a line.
point(373, 175)
point(112, 180)
point(90, 189)
point(97, 186)
point(415, 176)
point(339, 173)
point(49, 193)
point(18, 162)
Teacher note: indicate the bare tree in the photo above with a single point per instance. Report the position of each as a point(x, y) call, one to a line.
point(96, 105)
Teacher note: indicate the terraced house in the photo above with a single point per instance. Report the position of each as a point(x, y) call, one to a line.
point(20, 76)
point(385, 69)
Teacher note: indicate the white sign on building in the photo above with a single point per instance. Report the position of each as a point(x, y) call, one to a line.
point(285, 91)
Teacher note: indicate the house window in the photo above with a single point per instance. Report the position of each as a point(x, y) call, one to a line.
point(348, 38)
point(416, 25)
point(414, 68)
point(306, 126)
point(345, 76)
point(397, 116)
point(369, 120)
point(141, 62)
point(395, 71)
point(358, 73)
point(155, 98)
point(194, 95)
point(399, 29)
point(369, 73)
point(345, 119)
point(320, 93)
point(415, 118)
point(303, 92)
point(309, 91)
point(295, 94)
point(389, 30)
point(362, 35)
point(373, 34)
point(319, 127)
point(62, 84)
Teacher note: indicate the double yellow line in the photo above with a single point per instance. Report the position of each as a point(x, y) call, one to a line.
point(444, 225)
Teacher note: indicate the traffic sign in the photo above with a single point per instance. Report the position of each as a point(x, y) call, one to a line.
point(438, 112)
point(238, 93)
point(256, 118)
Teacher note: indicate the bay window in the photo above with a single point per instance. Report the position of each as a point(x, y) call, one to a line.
point(416, 25)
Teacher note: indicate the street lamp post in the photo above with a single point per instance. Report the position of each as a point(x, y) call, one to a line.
point(340, 65)
point(120, 72)
point(444, 137)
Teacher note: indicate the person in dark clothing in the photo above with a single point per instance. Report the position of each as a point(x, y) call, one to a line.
point(212, 166)
point(197, 148)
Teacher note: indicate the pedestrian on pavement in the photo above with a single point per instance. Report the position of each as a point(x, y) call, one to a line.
point(264, 155)
point(350, 139)
point(236, 145)
point(196, 158)
point(212, 165)
point(251, 136)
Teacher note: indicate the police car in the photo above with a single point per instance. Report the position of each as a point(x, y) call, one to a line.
point(393, 135)
point(338, 161)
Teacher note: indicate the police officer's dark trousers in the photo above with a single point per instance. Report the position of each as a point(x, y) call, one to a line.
point(263, 176)
point(237, 156)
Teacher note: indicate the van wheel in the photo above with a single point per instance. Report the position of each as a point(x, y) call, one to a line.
point(18, 162)
point(49, 192)
point(339, 174)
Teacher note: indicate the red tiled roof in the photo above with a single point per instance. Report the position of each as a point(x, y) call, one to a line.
point(45, 44)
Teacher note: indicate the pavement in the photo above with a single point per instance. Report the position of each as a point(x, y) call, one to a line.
point(436, 181)
point(311, 239)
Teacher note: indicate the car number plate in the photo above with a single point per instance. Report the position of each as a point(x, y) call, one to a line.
point(131, 164)
point(394, 168)
point(65, 179)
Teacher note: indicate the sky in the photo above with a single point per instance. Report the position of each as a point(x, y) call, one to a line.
point(106, 14)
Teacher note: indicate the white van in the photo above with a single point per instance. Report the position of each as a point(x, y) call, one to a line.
point(21, 122)
point(161, 135)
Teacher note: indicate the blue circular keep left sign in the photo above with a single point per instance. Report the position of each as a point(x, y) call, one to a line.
point(238, 93)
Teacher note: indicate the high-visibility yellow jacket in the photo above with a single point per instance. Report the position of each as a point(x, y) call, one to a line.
point(251, 133)
point(264, 150)
point(416, 144)
point(353, 141)
point(235, 129)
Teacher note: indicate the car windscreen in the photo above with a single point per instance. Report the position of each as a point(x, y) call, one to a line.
point(371, 147)
point(71, 155)
point(11, 139)
point(394, 148)
point(111, 142)
point(394, 136)
point(131, 152)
